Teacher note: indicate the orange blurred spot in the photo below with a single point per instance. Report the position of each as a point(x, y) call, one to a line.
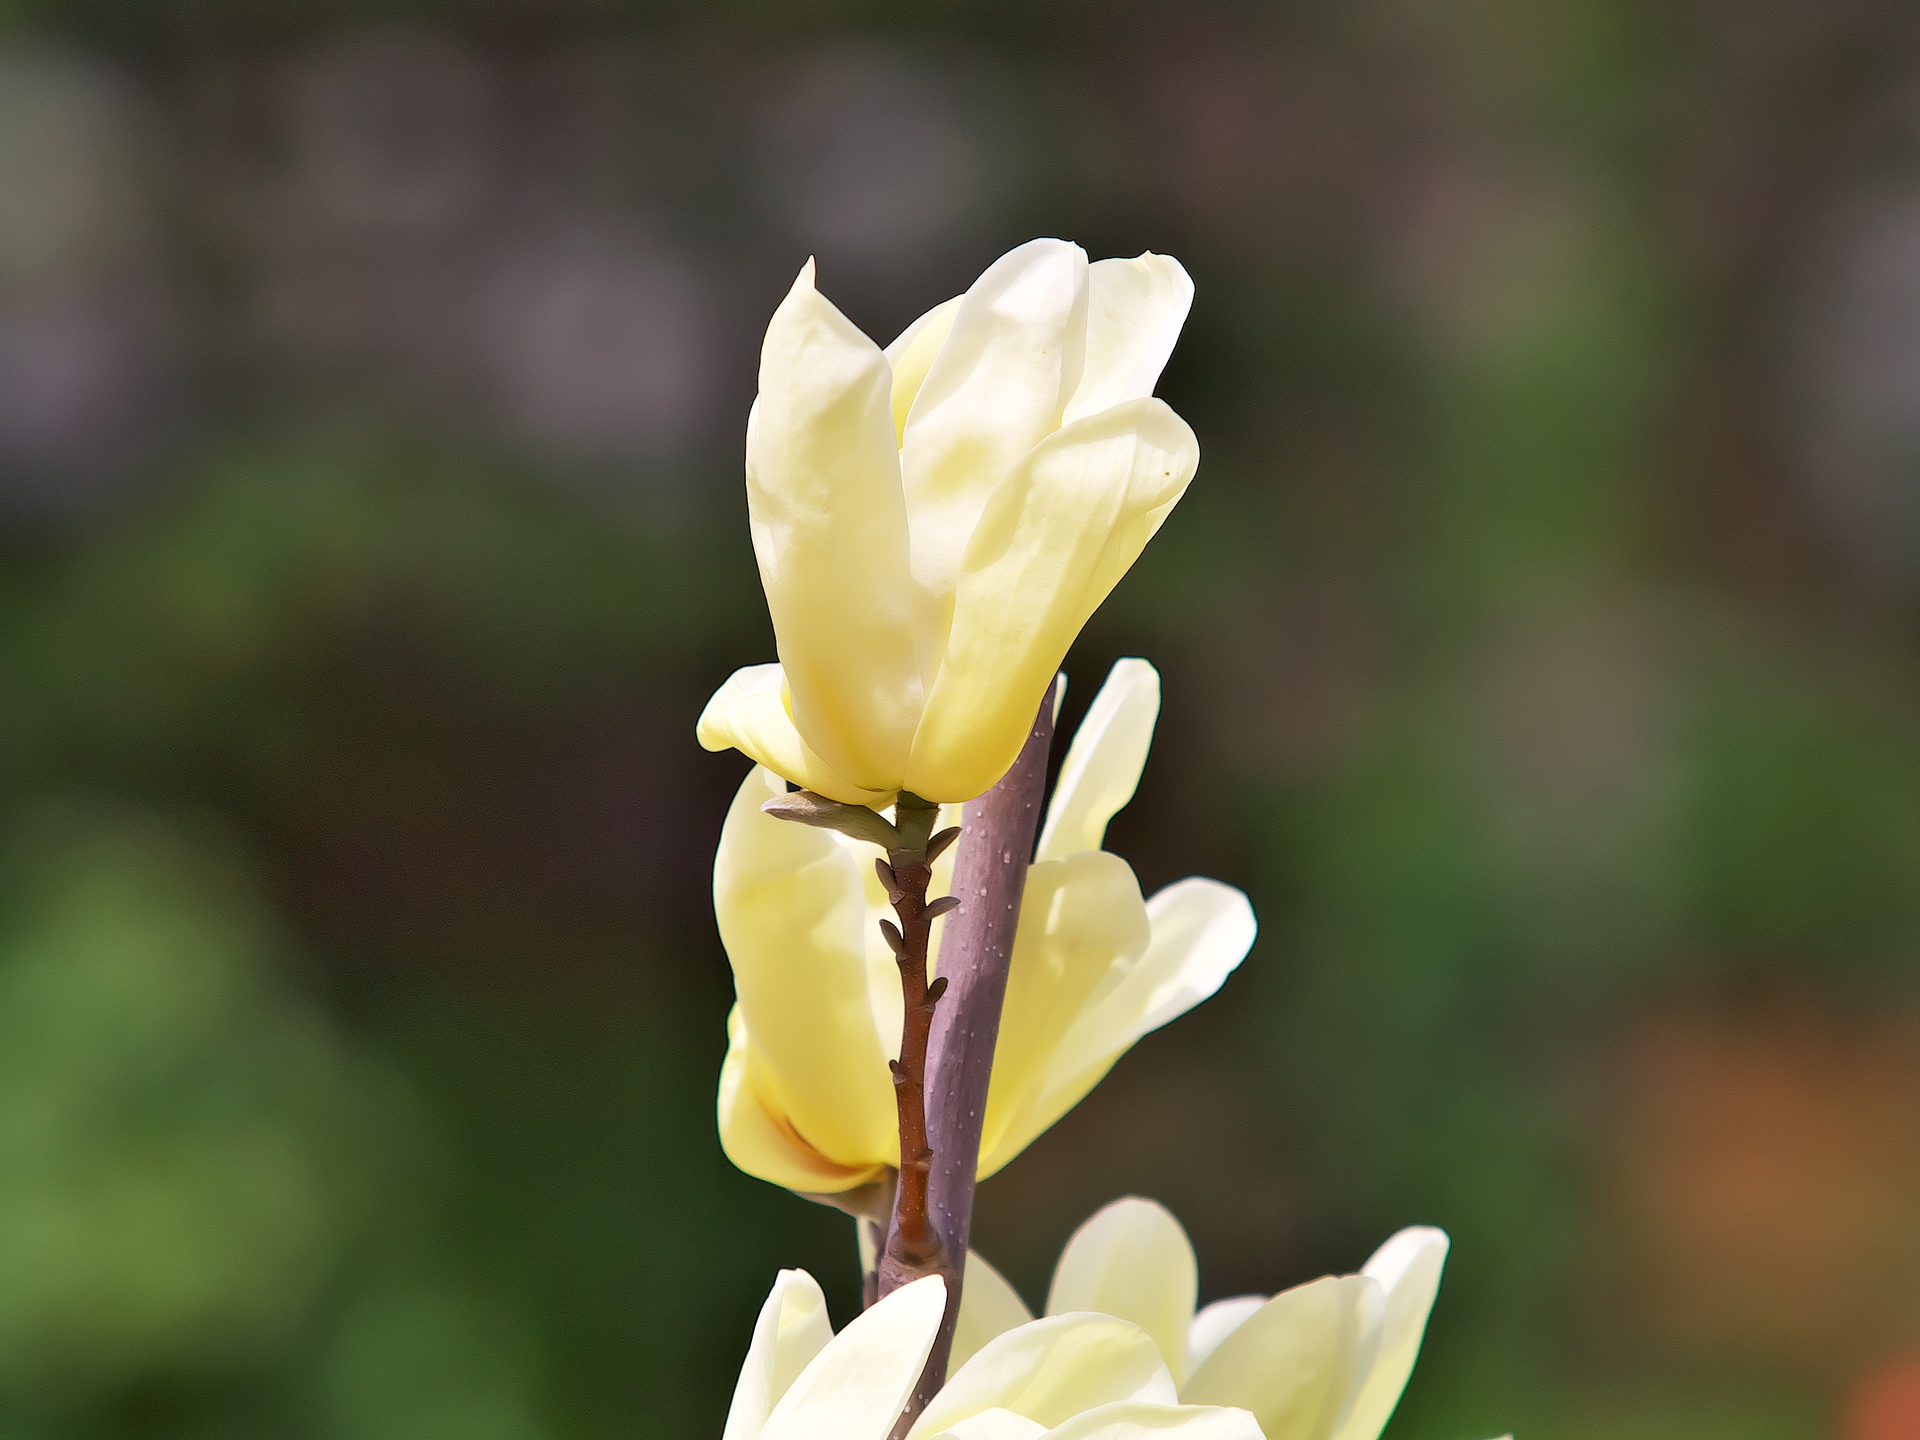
point(1886, 1405)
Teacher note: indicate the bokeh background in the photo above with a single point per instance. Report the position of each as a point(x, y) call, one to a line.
point(1540, 642)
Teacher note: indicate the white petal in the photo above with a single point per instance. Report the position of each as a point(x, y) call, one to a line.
point(1297, 1362)
point(1132, 1259)
point(791, 909)
point(1135, 309)
point(829, 523)
point(989, 1307)
point(856, 1388)
point(1200, 931)
point(912, 355)
point(1134, 1420)
point(792, 1329)
point(1103, 766)
point(1217, 1321)
point(749, 713)
point(994, 1425)
point(1408, 1268)
point(1081, 919)
point(1051, 1370)
point(1010, 363)
point(1048, 545)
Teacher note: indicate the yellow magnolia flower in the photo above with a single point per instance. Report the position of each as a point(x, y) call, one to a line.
point(1071, 1377)
point(1322, 1361)
point(806, 1100)
point(935, 522)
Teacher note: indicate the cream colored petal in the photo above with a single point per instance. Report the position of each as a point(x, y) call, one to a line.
point(791, 911)
point(1053, 540)
point(989, 1307)
point(1103, 765)
point(1200, 931)
point(912, 355)
point(856, 1388)
point(749, 714)
point(1050, 1371)
point(1135, 309)
point(1131, 1259)
point(1135, 1420)
point(762, 1143)
point(1296, 1363)
point(793, 1328)
point(1010, 362)
point(1408, 1268)
point(994, 1425)
point(829, 523)
point(1217, 1321)
point(1081, 918)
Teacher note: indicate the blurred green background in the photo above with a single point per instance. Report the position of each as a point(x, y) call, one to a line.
point(1539, 639)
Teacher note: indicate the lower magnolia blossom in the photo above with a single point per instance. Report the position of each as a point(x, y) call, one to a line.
point(806, 1099)
point(1323, 1361)
point(1068, 1377)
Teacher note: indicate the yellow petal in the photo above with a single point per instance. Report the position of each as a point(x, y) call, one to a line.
point(791, 909)
point(792, 1329)
point(994, 1425)
point(763, 1144)
point(856, 1388)
point(1081, 919)
point(1103, 765)
point(1010, 362)
point(1135, 1420)
point(1408, 1268)
point(1135, 309)
point(1054, 539)
point(1201, 930)
point(1132, 1259)
point(989, 1307)
point(829, 524)
point(912, 354)
point(1297, 1362)
point(749, 714)
point(1051, 1370)
point(1217, 1321)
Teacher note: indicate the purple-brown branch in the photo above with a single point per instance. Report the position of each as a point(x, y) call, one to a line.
point(996, 846)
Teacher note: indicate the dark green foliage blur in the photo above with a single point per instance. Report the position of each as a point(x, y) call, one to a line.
point(1538, 639)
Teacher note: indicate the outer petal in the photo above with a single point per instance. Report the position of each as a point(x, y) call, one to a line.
point(1297, 1362)
point(995, 1425)
point(1201, 930)
point(791, 909)
point(1135, 1420)
point(1103, 766)
point(829, 525)
point(749, 714)
point(911, 356)
point(989, 1307)
point(1132, 1260)
point(1050, 1371)
point(1408, 1267)
point(856, 1387)
point(1055, 538)
point(999, 383)
point(764, 1144)
point(792, 1329)
point(1081, 919)
point(1135, 309)
point(1217, 1321)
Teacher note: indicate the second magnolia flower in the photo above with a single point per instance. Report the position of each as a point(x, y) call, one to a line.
point(805, 1098)
point(935, 522)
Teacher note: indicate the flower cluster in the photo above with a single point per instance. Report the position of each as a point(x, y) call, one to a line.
point(934, 522)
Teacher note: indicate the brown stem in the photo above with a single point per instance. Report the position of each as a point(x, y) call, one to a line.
point(996, 846)
point(912, 1243)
